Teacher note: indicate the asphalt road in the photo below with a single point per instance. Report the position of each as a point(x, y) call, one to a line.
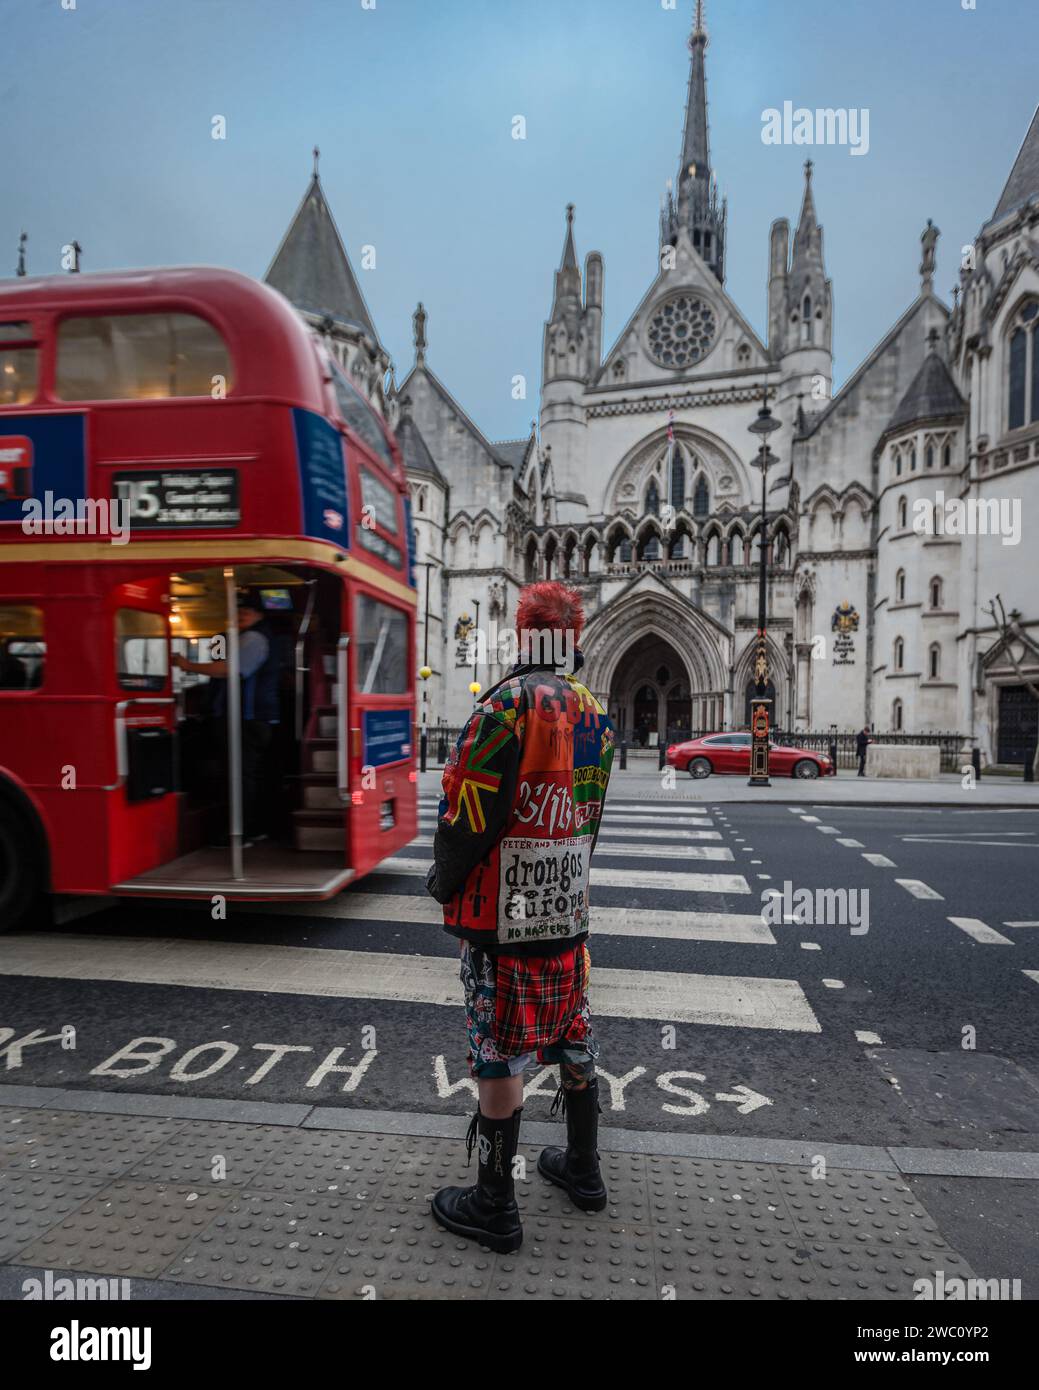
point(916, 1030)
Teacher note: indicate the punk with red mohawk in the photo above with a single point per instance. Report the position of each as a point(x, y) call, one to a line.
point(552, 606)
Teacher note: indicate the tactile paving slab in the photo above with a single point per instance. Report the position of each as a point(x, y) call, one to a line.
point(91, 1145)
point(868, 1235)
point(31, 1203)
point(212, 1153)
point(128, 1228)
point(264, 1241)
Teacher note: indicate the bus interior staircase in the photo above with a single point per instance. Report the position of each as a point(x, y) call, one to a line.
point(319, 821)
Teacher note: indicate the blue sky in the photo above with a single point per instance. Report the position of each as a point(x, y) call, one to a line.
point(108, 107)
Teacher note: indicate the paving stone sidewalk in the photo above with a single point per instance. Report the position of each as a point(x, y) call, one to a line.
point(189, 1208)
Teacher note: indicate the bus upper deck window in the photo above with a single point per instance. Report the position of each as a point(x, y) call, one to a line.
point(360, 417)
point(22, 648)
point(140, 357)
point(142, 656)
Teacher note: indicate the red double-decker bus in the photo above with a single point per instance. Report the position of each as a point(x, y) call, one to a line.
point(175, 444)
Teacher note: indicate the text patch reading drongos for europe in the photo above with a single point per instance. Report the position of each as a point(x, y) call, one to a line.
point(543, 889)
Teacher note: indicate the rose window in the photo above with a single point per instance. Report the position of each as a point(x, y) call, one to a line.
point(682, 331)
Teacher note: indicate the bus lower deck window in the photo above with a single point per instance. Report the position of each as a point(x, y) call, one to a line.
point(142, 659)
point(19, 375)
point(22, 648)
point(382, 648)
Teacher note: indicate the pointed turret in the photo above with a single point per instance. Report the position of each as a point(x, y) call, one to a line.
point(564, 332)
point(312, 269)
point(801, 307)
point(1023, 184)
point(568, 276)
point(693, 202)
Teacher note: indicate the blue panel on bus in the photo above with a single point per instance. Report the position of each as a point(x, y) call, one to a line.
point(322, 476)
point(41, 454)
point(387, 736)
point(409, 527)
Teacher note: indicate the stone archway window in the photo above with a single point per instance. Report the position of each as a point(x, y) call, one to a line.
point(677, 479)
point(701, 497)
point(652, 498)
point(663, 675)
point(1023, 367)
point(896, 716)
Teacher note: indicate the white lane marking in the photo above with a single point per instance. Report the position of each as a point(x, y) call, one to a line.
point(663, 832)
point(834, 984)
point(812, 820)
point(827, 829)
point(938, 840)
point(764, 875)
point(1021, 924)
point(810, 946)
point(608, 878)
point(981, 931)
point(744, 929)
point(947, 834)
point(733, 1001)
point(918, 889)
point(648, 824)
point(1032, 975)
point(874, 1039)
point(880, 860)
point(718, 853)
point(852, 844)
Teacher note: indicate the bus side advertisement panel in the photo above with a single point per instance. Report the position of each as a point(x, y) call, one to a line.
point(386, 736)
point(41, 455)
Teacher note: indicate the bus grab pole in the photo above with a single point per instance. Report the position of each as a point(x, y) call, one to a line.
point(234, 726)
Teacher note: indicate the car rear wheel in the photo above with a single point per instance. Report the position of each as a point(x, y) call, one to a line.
point(804, 767)
point(699, 767)
point(21, 881)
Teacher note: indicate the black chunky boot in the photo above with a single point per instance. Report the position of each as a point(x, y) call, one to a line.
point(487, 1212)
point(576, 1168)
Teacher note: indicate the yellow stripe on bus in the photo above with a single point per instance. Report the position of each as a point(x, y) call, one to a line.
point(184, 552)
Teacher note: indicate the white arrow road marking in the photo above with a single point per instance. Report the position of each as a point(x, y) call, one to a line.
point(732, 1001)
point(744, 1099)
point(981, 931)
point(881, 861)
point(918, 889)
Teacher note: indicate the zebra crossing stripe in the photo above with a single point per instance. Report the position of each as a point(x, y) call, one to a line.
point(607, 878)
point(728, 1001)
point(736, 928)
point(718, 853)
point(981, 931)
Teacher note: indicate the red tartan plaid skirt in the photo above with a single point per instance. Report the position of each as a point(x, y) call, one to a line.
point(520, 1004)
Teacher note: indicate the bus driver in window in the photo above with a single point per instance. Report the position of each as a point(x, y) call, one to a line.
point(260, 670)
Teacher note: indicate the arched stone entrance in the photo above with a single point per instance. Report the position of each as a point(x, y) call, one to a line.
point(658, 663)
point(650, 698)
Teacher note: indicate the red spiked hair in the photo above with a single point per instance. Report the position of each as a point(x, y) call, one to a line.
point(550, 605)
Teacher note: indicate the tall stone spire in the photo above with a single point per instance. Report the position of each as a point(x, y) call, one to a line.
point(567, 297)
point(693, 204)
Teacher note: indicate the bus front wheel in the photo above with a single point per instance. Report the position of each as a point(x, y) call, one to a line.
point(20, 878)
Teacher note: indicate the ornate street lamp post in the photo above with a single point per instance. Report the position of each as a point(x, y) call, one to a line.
point(760, 700)
point(474, 685)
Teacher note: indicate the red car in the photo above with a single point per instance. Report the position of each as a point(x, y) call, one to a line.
point(731, 753)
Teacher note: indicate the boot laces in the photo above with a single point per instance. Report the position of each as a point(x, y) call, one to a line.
point(559, 1104)
point(470, 1138)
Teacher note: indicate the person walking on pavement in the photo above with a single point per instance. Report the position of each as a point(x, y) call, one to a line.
point(524, 790)
point(862, 742)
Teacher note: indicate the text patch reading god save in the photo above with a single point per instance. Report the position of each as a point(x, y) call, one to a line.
point(543, 889)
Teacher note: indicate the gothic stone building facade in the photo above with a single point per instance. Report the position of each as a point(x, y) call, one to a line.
point(643, 486)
